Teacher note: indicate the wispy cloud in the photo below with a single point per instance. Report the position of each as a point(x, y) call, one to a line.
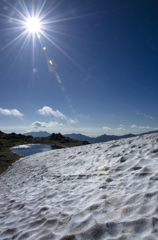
point(13, 112)
point(47, 111)
point(107, 129)
point(148, 127)
point(134, 126)
point(54, 124)
point(145, 115)
point(120, 129)
point(73, 121)
point(37, 124)
point(141, 127)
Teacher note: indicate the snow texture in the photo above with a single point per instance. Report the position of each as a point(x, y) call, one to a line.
point(93, 192)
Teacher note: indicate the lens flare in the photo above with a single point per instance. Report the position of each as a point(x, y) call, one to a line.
point(35, 70)
point(31, 21)
point(37, 21)
point(51, 65)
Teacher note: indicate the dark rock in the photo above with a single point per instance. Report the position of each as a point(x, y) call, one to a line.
point(57, 136)
point(85, 142)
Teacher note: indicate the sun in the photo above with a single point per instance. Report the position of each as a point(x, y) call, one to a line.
point(34, 22)
point(33, 25)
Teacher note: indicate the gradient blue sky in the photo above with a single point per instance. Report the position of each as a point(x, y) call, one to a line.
point(106, 80)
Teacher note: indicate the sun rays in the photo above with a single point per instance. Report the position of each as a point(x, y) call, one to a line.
point(34, 22)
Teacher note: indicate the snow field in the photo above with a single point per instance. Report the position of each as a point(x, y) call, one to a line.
point(94, 192)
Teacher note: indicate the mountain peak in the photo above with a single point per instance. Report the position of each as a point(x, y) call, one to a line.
point(38, 134)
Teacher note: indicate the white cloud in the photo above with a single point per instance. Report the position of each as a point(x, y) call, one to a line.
point(145, 127)
point(121, 129)
point(107, 129)
point(47, 111)
point(134, 126)
point(46, 125)
point(39, 124)
point(13, 112)
point(115, 130)
point(140, 127)
point(54, 124)
point(73, 121)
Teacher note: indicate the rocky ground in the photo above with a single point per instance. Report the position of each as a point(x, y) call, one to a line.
point(7, 157)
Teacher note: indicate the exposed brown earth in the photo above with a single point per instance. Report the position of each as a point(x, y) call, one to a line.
point(7, 157)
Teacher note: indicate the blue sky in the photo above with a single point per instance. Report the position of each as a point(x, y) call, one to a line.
point(91, 68)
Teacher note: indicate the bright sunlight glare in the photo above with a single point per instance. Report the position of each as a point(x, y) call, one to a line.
point(33, 25)
point(35, 22)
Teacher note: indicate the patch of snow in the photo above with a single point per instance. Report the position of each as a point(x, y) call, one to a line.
point(93, 192)
point(26, 146)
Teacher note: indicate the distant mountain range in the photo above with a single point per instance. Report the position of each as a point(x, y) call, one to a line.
point(103, 138)
point(81, 137)
point(37, 134)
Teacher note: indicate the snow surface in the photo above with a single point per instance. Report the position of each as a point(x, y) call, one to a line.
point(93, 192)
point(25, 146)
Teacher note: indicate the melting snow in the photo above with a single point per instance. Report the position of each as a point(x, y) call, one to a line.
point(93, 192)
